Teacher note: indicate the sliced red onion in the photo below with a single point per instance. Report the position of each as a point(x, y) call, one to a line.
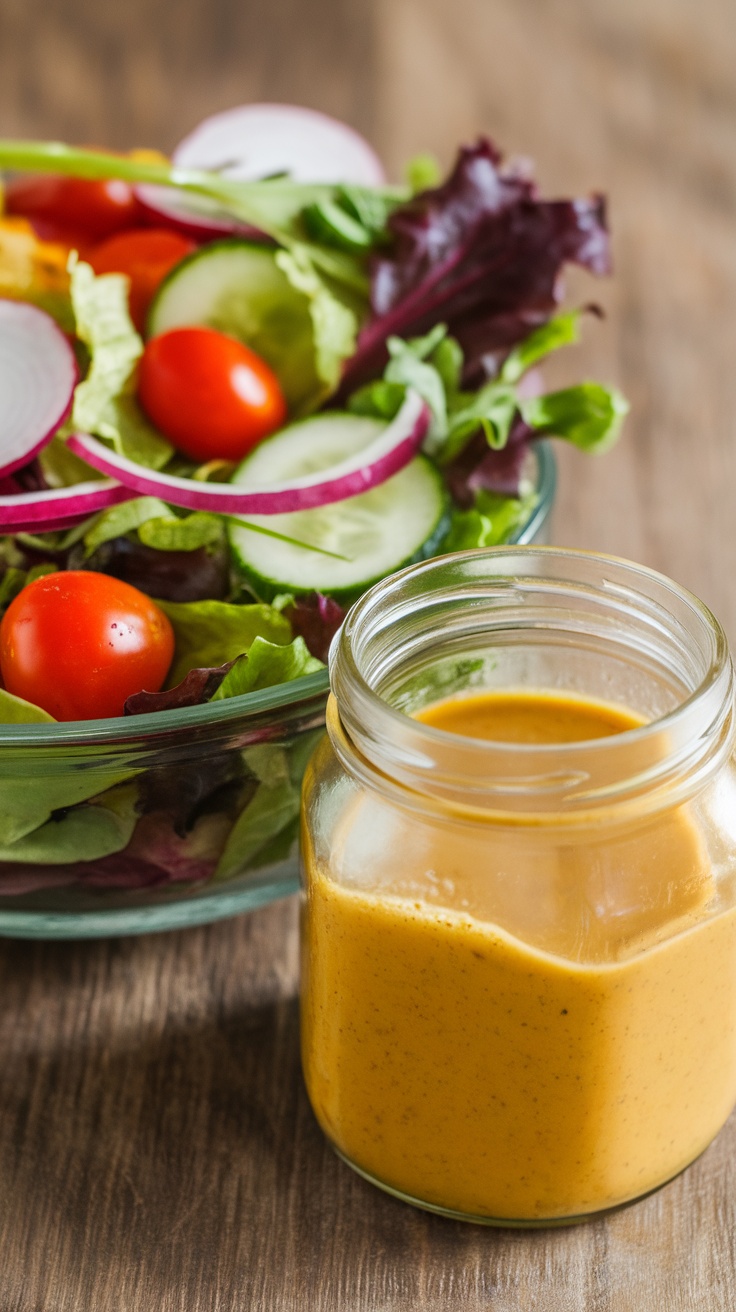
point(384, 456)
point(38, 374)
point(59, 507)
point(257, 141)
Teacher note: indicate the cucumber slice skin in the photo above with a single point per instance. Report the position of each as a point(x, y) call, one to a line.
point(236, 287)
point(410, 512)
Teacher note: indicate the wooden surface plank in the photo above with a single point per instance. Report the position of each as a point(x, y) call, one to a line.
point(157, 1150)
point(156, 1146)
point(636, 99)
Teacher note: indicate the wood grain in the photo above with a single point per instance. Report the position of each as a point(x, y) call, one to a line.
point(156, 1146)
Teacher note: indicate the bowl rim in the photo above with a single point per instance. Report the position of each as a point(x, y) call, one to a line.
point(119, 729)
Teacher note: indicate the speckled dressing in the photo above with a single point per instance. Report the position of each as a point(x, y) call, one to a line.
point(468, 1068)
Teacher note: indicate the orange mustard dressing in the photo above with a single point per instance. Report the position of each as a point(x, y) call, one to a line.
point(547, 1044)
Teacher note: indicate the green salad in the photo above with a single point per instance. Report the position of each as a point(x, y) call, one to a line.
point(236, 389)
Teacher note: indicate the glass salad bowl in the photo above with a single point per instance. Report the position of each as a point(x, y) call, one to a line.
point(171, 818)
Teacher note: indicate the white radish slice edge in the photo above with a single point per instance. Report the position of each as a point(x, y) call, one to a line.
point(38, 374)
point(257, 141)
point(385, 455)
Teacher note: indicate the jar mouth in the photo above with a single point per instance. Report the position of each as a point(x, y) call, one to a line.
point(534, 618)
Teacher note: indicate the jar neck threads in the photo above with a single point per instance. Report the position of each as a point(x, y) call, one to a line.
point(534, 618)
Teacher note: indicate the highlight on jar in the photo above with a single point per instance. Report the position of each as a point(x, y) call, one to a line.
point(519, 868)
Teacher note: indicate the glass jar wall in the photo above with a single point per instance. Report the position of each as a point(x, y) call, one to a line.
point(519, 965)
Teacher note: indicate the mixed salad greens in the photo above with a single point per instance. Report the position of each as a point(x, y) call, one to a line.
point(247, 383)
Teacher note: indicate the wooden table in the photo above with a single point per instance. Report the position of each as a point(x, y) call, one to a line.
point(156, 1147)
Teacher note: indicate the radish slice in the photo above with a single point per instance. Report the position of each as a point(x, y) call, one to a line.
point(38, 374)
point(386, 455)
point(258, 141)
point(59, 507)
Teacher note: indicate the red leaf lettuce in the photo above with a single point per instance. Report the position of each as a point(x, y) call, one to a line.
point(482, 254)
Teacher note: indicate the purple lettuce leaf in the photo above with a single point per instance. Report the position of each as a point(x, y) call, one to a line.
point(479, 468)
point(316, 619)
point(18, 878)
point(156, 854)
point(196, 687)
point(482, 254)
point(187, 790)
point(199, 575)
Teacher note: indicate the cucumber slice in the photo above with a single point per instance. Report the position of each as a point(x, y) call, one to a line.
point(403, 520)
point(237, 287)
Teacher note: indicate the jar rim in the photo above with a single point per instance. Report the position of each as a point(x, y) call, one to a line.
point(710, 701)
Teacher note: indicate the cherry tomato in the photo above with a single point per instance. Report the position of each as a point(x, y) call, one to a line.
point(212, 396)
point(67, 209)
point(145, 255)
point(78, 644)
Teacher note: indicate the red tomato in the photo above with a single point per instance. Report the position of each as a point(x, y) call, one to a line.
point(212, 396)
point(145, 255)
point(66, 209)
point(78, 644)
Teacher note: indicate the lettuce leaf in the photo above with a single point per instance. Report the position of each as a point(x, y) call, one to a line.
point(155, 855)
point(491, 521)
point(432, 365)
point(210, 633)
point(26, 803)
point(156, 525)
point(267, 815)
point(15, 710)
point(422, 172)
point(197, 687)
point(334, 324)
point(263, 779)
point(481, 253)
point(182, 533)
point(479, 468)
point(266, 831)
point(122, 519)
point(13, 580)
point(316, 619)
point(104, 402)
point(83, 833)
point(158, 854)
point(59, 466)
point(267, 664)
point(562, 330)
point(588, 415)
point(496, 416)
point(176, 576)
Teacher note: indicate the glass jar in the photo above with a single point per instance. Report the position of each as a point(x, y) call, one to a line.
point(519, 960)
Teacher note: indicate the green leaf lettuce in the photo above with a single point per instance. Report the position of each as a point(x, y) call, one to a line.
point(210, 633)
point(104, 402)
